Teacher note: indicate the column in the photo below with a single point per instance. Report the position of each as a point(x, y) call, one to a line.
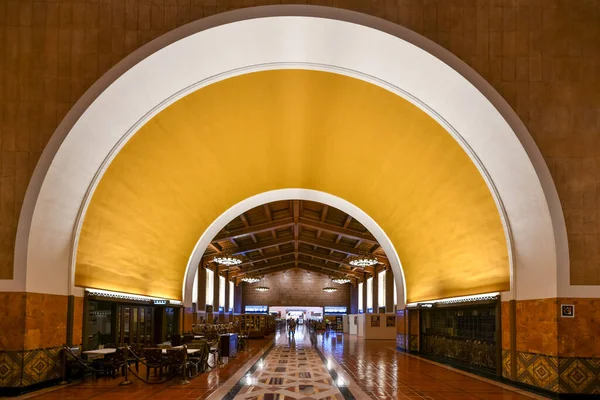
point(353, 299)
point(237, 299)
point(201, 305)
point(216, 291)
point(375, 291)
point(226, 308)
point(365, 277)
point(389, 291)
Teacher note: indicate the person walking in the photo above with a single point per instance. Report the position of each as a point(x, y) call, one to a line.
point(292, 330)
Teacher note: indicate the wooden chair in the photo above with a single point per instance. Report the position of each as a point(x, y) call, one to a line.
point(176, 359)
point(113, 362)
point(154, 361)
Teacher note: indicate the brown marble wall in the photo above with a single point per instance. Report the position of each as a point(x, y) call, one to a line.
point(33, 327)
point(30, 321)
point(552, 352)
point(78, 321)
point(537, 326)
point(12, 321)
point(45, 321)
point(580, 336)
point(296, 288)
point(505, 320)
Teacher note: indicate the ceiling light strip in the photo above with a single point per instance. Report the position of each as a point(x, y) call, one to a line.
point(127, 296)
point(461, 299)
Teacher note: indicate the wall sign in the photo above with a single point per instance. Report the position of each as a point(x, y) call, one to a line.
point(567, 310)
point(255, 309)
point(335, 310)
point(375, 321)
point(391, 321)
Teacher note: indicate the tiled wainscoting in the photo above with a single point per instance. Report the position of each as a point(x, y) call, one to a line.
point(20, 369)
point(559, 374)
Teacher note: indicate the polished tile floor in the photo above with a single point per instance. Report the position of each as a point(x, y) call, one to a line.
point(328, 366)
point(384, 373)
point(292, 369)
point(198, 388)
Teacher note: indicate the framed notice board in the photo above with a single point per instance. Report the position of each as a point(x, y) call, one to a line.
point(375, 322)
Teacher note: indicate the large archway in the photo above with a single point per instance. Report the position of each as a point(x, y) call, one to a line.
point(494, 147)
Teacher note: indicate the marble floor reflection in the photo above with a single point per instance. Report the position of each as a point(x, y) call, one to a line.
point(292, 369)
point(323, 366)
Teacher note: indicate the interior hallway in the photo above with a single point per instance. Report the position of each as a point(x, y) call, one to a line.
point(339, 367)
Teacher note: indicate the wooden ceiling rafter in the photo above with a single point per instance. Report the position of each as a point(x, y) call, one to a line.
point(253, 230)
point(271, 228)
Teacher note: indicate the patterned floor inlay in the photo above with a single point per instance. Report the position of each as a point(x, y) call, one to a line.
point(291, 370)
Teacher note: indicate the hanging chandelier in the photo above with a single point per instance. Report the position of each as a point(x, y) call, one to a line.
point(250, 279)
point(329, 289)
point(362, 260)
point(262, 288)
point(341, 280)
point(227, 259)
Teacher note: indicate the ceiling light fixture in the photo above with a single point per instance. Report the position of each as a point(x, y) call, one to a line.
point(329, 289)
point(341, 280)
point(250, 279)
point(262, 288)
point(227, 259)
point(362, 260)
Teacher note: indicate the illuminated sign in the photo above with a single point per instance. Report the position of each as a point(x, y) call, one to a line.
point(256, 309)
point(160, 302)
point(336, 310)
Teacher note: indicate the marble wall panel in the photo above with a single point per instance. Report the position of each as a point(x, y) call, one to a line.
point(78, 321)
point(12, 321)
point(537, 326)
point(580, 336)
point(45, 321)
point(506, 324)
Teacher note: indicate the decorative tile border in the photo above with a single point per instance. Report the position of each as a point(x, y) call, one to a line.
point(538, 370)
point(579, 375)
point(506, 364)
point(26, 368)
point(560, 375)
point(11, 366)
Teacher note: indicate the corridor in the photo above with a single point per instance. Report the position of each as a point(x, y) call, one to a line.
point(324, 366)
point(330, 366)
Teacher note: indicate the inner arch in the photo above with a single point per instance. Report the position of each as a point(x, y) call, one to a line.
point(295, 194)
point(281, 129)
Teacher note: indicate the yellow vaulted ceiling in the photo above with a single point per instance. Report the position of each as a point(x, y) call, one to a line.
point(292, 129)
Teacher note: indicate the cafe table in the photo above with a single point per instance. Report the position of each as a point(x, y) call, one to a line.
point(103, 352)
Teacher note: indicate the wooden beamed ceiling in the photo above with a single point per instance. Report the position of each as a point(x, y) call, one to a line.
point(300, 234)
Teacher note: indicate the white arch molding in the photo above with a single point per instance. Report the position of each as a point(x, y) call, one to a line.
point(294, 194)
point(275, 37)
